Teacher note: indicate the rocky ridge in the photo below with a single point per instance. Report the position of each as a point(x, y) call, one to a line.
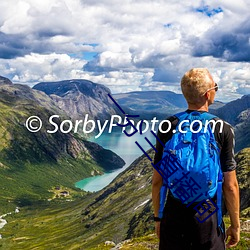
point(80, 97)
point(4, 80)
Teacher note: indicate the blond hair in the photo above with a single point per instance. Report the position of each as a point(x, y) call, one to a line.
point(195, 83)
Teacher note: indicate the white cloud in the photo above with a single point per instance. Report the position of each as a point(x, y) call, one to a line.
point(117, 81)
point(34, 68)
point(140, 44)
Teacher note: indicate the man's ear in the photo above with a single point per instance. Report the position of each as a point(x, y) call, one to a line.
point(207, 95)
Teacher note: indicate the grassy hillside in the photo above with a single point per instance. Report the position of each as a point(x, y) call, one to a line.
point(86, 222)
point(51, 225)
point(122, 213)
point(243, 175)
point(32, 163)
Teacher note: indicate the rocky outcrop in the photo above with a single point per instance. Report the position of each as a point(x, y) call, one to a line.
point(243, 176)
point(242, 130)
point(232, 110)
point(4, 80)
point(237, 114)
point(80, 97)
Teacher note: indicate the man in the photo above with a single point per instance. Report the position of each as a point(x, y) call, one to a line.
point(179, 228)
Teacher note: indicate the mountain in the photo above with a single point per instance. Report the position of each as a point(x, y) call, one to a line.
point(243, 175)
point(242, 130)
point(32, 163)
point(216, 105)
point(80, 97)
point(121, 211)
point(4, 80)
point(237, 114)
point(232, 110)
point(161, 104)
point(149, 104)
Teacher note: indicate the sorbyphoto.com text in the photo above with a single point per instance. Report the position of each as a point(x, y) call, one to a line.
point(88, 126)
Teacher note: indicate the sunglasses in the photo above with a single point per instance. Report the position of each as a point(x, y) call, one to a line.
point(216, 87)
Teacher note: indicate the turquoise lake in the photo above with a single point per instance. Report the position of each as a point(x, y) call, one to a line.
point(122, 145)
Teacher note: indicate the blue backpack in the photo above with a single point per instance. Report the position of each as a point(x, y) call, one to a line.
point(190, 165)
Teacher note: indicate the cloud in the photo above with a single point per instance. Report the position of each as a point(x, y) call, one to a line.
point(34, 68)
point(231, 45)
point(12, 46)
point(139, 45)
point(109, 61)
point(37, 17)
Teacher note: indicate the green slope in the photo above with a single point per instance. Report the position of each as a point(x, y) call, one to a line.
point(116, 213)
point(33, 163)
point(54, 225)
point(85, 222)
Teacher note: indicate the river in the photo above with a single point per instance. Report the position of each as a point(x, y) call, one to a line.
point(122, 145)
point(3, 222)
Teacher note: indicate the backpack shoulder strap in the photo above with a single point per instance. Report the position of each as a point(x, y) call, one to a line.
point(219, 200)
point(182, 115)
point(208, 116)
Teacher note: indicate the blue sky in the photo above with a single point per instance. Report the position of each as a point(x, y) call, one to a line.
point(126, 45)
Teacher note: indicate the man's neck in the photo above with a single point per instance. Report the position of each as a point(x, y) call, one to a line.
point(198, 107)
